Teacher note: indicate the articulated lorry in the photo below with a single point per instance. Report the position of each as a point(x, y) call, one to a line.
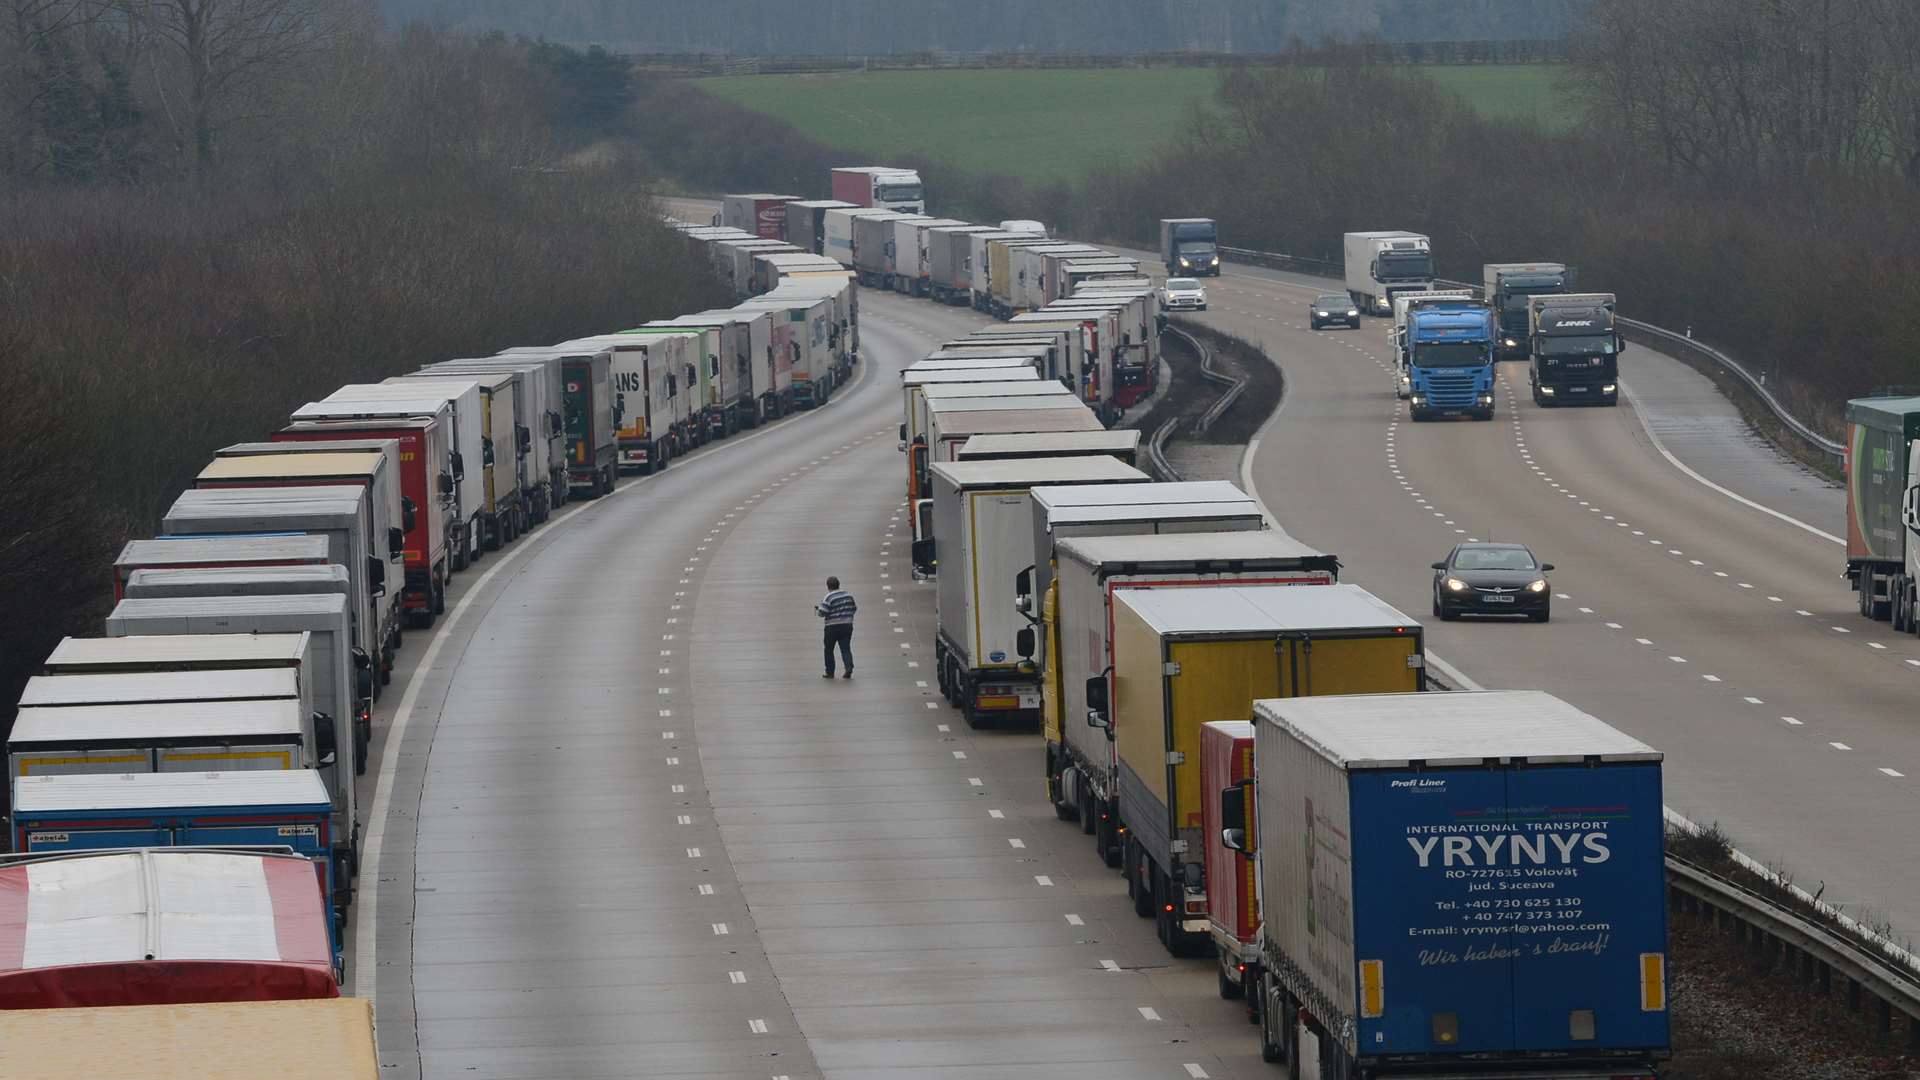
point(1403, 303)
point(760, 214)
point(806, 223)
point(982, 541)
point(1575, 349)
point(1461, 884)
point(1184, 657)
point(1384, 262)
point(1507, 286)
point(1190, 247)
point(1450, 366)
point(881, 186)
point(1883, 507)
point(155, 926)
point(195, 552)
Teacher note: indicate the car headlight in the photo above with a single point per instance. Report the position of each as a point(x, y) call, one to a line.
point(1607, 389)
point(1352, 313)
point(1547, 390)
point(1322, 314)
point(1537, 586)
point(1454, 584)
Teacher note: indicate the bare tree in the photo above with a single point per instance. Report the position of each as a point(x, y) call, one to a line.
point(209, 59)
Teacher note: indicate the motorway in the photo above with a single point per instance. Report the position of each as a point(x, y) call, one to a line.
point(1699, 602)
point(620, 826)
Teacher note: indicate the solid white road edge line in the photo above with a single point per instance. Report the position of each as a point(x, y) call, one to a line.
point(1632, 399)
point(1464, 682)
point(367, 898)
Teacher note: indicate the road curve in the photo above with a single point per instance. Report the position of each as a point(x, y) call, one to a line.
point(1699, 603)
point(631, 831)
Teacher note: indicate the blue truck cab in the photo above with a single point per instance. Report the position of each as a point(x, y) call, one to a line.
point(1448, 355)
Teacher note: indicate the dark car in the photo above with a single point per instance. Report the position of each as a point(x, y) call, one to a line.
point(1333, 309)
point(1491, 579)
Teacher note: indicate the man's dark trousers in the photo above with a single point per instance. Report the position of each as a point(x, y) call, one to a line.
point(841, 634)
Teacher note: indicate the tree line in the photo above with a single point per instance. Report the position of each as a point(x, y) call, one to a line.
point(182, 267)
point(852, 27)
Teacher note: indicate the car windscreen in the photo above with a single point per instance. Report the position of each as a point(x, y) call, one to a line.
point(1493, 559)
point(1182, 283)
point(1330, 301)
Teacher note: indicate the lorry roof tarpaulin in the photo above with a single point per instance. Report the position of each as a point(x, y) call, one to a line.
point(152, 927)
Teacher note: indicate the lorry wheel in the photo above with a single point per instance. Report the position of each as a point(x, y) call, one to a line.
point(439, 601)
point(1105, 843)
point(1230, 990)
point(459, 557)
point(1273, 1046)
point(1065, 807)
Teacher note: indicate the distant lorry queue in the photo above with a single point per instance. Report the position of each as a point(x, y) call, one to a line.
point(1399, 882)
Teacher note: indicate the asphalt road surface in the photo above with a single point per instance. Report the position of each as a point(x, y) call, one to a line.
point(621, 827)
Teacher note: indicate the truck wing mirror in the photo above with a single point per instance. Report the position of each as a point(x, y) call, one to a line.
point(408, 512)
point(325, 739)
point(446, 483)
point(1619, 344)
point(376, 576)
point(522, 438)
point(1024, 643)
point(1023, 593)
point(1097, 702)
point(363, 674)
point(486, 452)
point(397, 539)
point(1236, 827)
point(459, 466)
point(925, 558)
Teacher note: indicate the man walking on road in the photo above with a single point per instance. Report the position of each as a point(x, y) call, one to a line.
point(837, 609)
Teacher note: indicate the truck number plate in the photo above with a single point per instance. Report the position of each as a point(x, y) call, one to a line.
point(1029, 701)
point(1496, 599)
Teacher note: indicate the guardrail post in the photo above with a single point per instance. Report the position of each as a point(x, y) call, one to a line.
point(1853, 994)
point(1913, 1034)
point(1884, 1021)
point(1826, 979)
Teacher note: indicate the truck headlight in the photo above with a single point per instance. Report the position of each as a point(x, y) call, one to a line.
point(1418, 399)
point(1607, 389)
point(1546, 391)
point(1454, 584)
point(1509, 343)
point(1486, 399)
point(1537, 586)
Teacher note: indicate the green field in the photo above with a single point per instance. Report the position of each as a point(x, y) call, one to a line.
point(1053, 124)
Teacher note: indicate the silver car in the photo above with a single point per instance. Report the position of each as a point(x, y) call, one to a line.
point(1183, 294)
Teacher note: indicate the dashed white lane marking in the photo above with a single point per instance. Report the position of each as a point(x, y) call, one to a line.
point(1146, 1012)
point(1795, 721)
point(1754, 701)
point(1711, 678)
point(1014, 841)
point(758, 1027)
point(706, 890)
point(1111, 967)
point(975, 781)
point(679, 789)
point(673, 761)
point(1875, 645)
point(1613, 626)
point(1775, 599)
point(693, 853)
point(1839, 746)
point(942, 727)
point(737, 977)
point(1678, 659)
point(1841, 630)
point(1043, 880)
point(1643, 641)
point(666, 734)
point(959, 755)
point(684, 819)
point(1586, 611)
point(996, 815)
point(1075, 920)
point(1194, 1070)
point(1895, 773)
point(1801, 611)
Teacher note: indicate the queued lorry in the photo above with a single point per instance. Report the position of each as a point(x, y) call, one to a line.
point(206, 552)
point(812, 343)
point(806, 223)
point(1122, 444)
point(1507, 286)
point(1575, 349)
point(982, 541)
point(93, 929)
point(1449, 356)
point(1182, 657)
point(331, 1039)
point(950, 262)
point(913, 256)
point(1382, 263)
point(589, 414)
point(1190, 247)
point(1883, 508)
point(1459, 884)
point(882, 186)
point(342, 515)
point(536, 420)
point(760, 214)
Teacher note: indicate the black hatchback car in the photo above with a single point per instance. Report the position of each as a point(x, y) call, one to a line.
point(1491, 579)
point(1333, 309)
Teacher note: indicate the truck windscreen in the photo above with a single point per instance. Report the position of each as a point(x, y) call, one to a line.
point(1449, 353)
point(1198, 233)
point(898, 192)
point(1405, 266)
point(1583, 345)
